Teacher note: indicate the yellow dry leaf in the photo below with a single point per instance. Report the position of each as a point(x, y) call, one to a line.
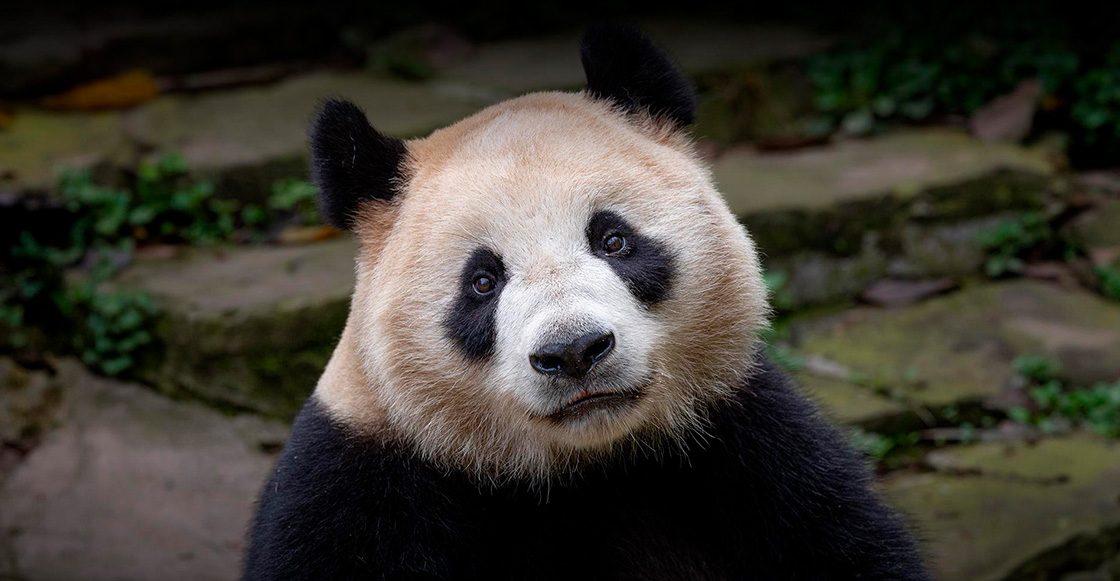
point(124, 90)
point(306, 234)
point(6, 118)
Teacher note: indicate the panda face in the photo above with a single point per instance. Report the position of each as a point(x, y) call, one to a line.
point(569, 325)
point(553, 282)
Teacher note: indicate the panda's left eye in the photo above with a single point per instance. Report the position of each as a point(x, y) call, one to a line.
point(613, 244)
point(483, 284)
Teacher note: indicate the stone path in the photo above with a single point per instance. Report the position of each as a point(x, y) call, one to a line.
point(992, 512)
point(902, 164)
point(133, 485)
point(886, 366)
point(249, 327)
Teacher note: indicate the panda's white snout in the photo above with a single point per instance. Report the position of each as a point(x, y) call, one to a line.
point(573, 341)
point(574, 358)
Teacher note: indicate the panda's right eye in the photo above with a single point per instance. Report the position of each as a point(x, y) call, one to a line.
point(483, 284)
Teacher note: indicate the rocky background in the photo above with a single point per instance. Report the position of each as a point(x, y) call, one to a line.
point(937, 196)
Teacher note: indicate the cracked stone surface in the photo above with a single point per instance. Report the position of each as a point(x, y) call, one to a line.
point(902, 163)
point(851, 404)
point(993, 509)
point(38, 145)
point(258, 124)
point(133, 486)
point(249, 327)
point(959, 347)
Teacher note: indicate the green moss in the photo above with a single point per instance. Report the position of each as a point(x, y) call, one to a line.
point(37, 145)
point(744, 103)
point(267, 363)
point(994, 507)
point(999, 191)
point(961, 345)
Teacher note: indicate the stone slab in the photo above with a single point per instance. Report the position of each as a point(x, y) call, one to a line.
point(992, 510)
point(255, 125)
point(249, 327)
point(903, 164)
point(959, 347)
point(134, 486)
point(39, 145)
point(850, 404)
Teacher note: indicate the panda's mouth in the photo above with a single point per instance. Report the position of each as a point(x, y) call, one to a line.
point(590, 401)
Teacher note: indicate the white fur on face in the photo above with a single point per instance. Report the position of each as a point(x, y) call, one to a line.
point(558, 290)
point(523, 179)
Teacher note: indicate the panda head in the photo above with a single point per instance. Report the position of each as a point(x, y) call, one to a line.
point(550, 281)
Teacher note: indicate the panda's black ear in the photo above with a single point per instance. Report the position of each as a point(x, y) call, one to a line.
point(624, 66)
point(352, 162)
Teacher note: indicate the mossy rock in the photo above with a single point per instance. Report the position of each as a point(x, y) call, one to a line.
point(915, 250)
point(902, 164)
point(814, 277)
point(247, 138)
point(958, 349)
point(246, 328)
point(828, 198)
point(855, 405)
point(1098, 232)
point(38, 145)
point(1015, 511)
point(911, 204)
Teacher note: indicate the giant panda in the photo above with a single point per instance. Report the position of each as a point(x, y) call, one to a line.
point(552, 366)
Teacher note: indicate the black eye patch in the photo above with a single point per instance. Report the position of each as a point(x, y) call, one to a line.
point(645, 264)
point(470, 323)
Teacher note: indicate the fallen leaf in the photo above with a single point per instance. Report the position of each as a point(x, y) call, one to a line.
point(124, 90)
point(305, 234)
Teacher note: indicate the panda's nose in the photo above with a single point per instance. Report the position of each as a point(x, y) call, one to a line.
point(574, 359)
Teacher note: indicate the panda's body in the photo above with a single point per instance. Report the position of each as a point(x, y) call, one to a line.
point(551, 367)
point(772, 494)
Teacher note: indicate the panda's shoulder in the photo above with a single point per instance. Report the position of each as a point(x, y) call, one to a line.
point(331, 458)
point(336, 494)
point(773, 422)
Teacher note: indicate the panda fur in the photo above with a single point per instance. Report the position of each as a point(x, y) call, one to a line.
point(441, 444)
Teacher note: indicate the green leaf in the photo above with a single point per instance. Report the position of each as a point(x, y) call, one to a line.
point(859, 122)
point(141, 215)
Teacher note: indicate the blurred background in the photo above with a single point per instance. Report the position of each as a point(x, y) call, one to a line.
point(935, 189)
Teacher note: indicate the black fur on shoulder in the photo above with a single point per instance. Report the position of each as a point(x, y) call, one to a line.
point(774, 492)
point(352, 162)
point(624, 66)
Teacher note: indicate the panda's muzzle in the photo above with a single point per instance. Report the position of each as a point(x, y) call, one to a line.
point(573, 359)
point(587, 401)
point(569, 366)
